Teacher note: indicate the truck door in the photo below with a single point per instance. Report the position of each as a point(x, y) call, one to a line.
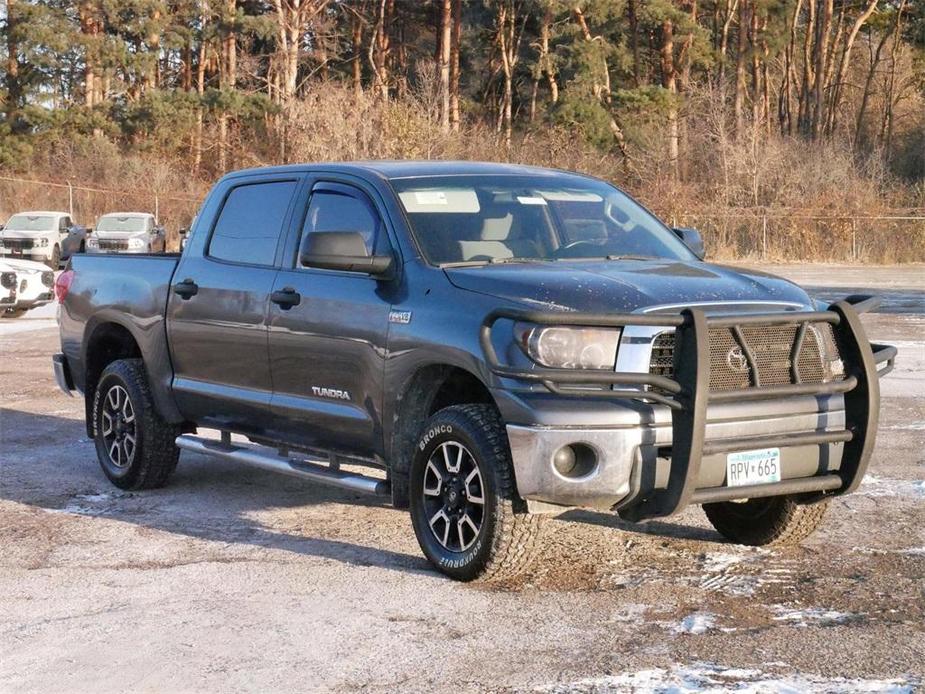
point(216, 317)
point(328, 332)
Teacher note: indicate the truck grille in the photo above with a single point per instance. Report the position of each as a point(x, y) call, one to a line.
point(771, 346)
point(111, 245)
point(19, 244)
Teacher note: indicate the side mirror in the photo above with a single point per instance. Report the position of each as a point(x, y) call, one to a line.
point(343, 250)
point(692, 239)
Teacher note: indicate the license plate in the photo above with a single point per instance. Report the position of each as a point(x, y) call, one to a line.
point(753, 467)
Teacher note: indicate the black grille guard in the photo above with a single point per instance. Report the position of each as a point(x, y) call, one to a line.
point(688, 394)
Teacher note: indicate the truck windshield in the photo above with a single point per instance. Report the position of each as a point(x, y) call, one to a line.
point(26, 222)
point(115, 223)
point(477, 219)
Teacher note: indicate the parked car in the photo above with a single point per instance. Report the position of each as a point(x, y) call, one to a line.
point(48, 237)
point(24, 284)
point(503, 341)
point(127, 232)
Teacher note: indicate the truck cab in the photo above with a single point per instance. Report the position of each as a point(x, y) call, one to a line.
point(44, 236)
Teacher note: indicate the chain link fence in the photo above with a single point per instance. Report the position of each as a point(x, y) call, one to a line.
point(894, 237)
point(173, 209)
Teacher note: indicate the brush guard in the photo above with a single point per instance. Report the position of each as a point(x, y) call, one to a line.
point(688, 395)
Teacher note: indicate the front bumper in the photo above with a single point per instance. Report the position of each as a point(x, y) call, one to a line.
point(671, 449)
point(40, 255)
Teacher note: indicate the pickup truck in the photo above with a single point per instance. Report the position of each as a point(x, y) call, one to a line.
point(127, 232)
point(48, 237)
point(486, 344)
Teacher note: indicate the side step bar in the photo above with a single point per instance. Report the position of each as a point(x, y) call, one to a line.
point(266, 459)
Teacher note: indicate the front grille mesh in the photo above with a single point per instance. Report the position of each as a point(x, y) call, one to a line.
point(110, 245)
point(770, 345)
point(19, 244)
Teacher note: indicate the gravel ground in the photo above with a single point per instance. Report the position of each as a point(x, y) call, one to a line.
point(232, 579)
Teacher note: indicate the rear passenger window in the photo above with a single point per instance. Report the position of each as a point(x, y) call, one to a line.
point(250, 223)
point(330, 211)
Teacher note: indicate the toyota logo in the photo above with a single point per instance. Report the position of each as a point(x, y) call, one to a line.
point(736, 360)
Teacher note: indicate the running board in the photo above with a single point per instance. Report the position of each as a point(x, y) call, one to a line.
point(276, 463)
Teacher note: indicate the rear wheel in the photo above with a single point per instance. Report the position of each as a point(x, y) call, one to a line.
point(776, 520)
point(134, 444)
point(466, 514)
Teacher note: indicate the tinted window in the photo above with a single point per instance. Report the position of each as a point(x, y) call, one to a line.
point(250, 223)
point(330, 211)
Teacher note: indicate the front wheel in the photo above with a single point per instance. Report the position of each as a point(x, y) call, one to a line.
point(134, 444)
point(776, 520)
point(466, 514)
point(55, 259)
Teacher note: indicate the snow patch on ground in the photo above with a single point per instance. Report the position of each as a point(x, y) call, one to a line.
point(812, 616)
point(709, 677)
point(696, 623)
point(872, 485)
point(911, 426)
point(90, 504)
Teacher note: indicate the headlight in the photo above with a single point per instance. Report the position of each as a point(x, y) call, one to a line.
point(558, 347)
point(8, 279)
point(48, 279)
point(136, 243)
point(93, 242)
point(43, 242)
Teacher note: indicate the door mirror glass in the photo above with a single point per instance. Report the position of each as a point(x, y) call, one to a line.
point(692, 239)
point(343, 250)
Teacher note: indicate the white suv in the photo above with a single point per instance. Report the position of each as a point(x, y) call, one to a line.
point(24, 284)
point(48, 237)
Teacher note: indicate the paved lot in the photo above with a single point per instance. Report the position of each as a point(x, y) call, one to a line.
point(232, 579)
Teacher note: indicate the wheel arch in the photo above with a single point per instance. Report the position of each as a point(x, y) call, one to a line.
point(107, 342)
point(430, 388)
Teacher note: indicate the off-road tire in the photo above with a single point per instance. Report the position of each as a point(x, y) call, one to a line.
point(777, 520)
point(155, 453)
point(509, 537)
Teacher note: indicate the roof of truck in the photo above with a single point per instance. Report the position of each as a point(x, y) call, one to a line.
point(415, 169)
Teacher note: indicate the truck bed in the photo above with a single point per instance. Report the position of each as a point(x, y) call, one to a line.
point(130, 291)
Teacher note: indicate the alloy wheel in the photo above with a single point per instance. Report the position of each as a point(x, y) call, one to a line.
point(118, 427)
point(454, 498)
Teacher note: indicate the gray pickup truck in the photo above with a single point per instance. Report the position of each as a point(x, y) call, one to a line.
point(504, 342)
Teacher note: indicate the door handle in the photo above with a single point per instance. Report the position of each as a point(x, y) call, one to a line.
point(286, 298)
point(186, 289)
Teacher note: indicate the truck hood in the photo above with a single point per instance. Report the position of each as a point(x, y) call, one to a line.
point(120, 235)
point(22, 266)
point(24, 234)
point(624, 285)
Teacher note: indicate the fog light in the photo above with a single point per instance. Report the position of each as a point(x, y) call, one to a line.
point(575, 460)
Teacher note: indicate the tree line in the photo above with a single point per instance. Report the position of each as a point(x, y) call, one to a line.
point(211, 80)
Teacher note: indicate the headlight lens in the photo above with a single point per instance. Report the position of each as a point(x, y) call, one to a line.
point(93, 242)
point(559, 347)
point(43, 242)
point(136, 243)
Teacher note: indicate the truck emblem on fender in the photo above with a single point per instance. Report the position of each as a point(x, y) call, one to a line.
point(403, 317)
point(333, 393)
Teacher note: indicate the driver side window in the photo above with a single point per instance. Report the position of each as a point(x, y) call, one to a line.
point(330, 210)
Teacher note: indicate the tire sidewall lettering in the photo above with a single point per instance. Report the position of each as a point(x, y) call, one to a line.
point(431, 434)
